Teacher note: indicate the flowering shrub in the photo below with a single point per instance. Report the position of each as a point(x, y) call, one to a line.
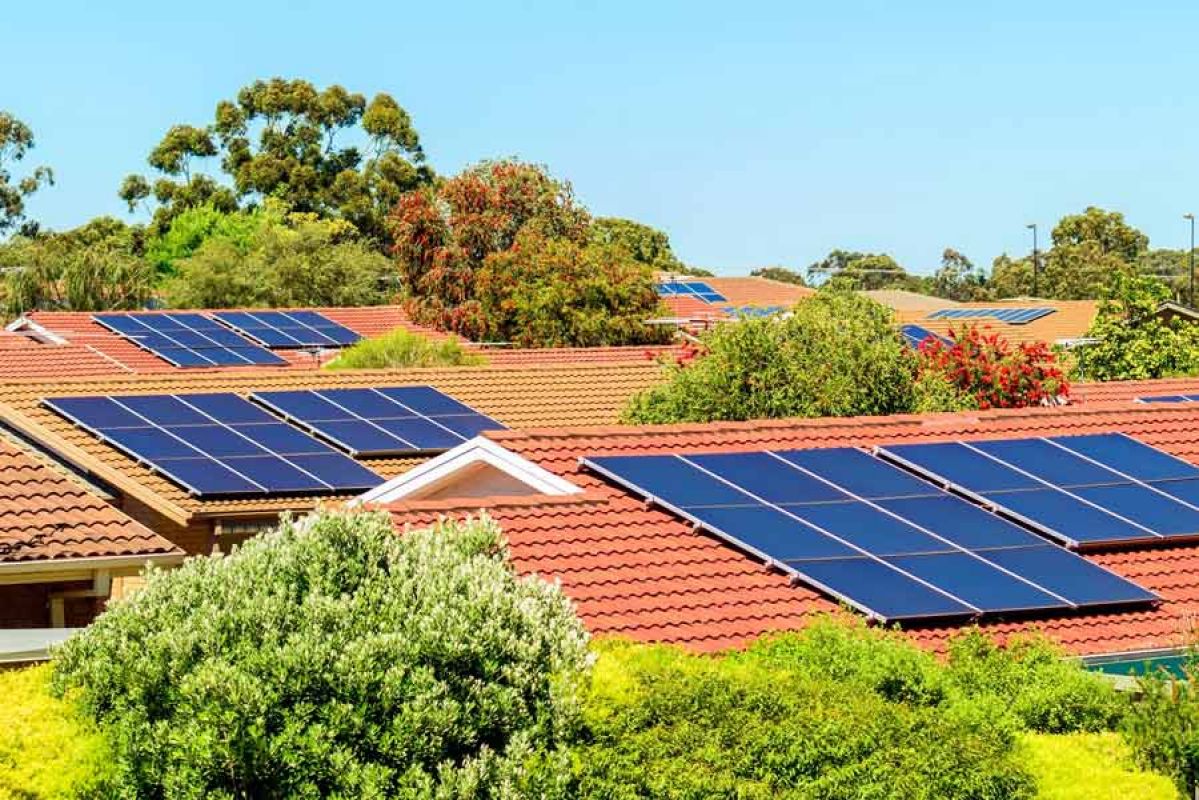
point(992, 372)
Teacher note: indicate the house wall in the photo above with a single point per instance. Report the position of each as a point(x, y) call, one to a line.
point(27, 605)
point(198, 538)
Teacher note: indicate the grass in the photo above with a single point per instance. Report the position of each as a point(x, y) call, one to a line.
point(1090, 766)
point(401, 348)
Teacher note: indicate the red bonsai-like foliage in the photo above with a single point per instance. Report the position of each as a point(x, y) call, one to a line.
point(993, 372)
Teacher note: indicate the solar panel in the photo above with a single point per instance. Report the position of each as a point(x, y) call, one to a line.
point(913, 335)
point(216, 444)
point(289, 329)
point(1170, 398)
point(1082, 490)
point(866, 532)
point(187, 339)
point(753, 312)
point(1010, 315)
point(383, 421)
point(700, 289)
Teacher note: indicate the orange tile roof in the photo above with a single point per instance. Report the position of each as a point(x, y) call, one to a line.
point(754, 291)
point(633, 354)
point(1071, 320)
point(1127, 391)
point(46, 516)
point(640, 572)
point(903, 300)
point(22, 358)
point(536, 395)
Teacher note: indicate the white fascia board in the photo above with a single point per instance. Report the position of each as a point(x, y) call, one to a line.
point(39, 332)
point(478, 450)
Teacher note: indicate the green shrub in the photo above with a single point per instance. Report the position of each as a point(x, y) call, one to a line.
point(1089, 766)
point(665, 724)
point(401, 348)
point(1032, 678)
point(837, 354)
point(47, 748)
point(332, 658)
point(1162, 727)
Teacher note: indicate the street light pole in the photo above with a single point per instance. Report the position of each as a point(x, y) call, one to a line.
point(1191, 217)
point(1036, 258)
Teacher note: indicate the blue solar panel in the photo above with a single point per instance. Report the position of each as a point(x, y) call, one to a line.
point(383, 421)
point(1012, 316)
point(187, 340)
point(216, 444)
point(699, 289)
point(1082, 490)
point(289, 329)
point(1068, 576)
point(900, 548)
point(1169, 398)
point(913, 335)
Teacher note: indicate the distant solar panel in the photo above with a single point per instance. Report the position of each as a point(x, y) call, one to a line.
point(1010, 315)
point(913, 335)
point(700, 289)
point(1170, 398)
point(187, 339)
point(384, 421)
point(1082, 490)
point(754, 312)
point(872, 535)
point(289, 329)
point(216, 444)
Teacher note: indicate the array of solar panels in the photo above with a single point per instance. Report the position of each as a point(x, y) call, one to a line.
point(227, 338)
point(1012, 316)
point(753, 312)
point(1170, 398)
point(871, 534)
point(913, 335)
point(223, 444)
point(379, 422)
point(700, 289)
point(1081, 490)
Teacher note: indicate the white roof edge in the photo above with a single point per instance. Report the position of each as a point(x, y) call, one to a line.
point(478, 450)
point(23, 324)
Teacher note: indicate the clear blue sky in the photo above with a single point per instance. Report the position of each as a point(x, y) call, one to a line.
point(753, 133)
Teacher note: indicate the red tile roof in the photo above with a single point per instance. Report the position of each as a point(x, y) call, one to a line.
point(641, 572)
point(46, 516)
point(1127, 391)
point(22, 357)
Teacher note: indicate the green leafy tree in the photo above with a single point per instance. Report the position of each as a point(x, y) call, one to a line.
point(278, 139)
point(837, 354)
point(958, 278)
point(1133, 341)
point(403, 349)
point(193, 227)
point(647, 245)
point(1106, 231)
point(16, 140)
point(95, 267)
point(503, 252)
point(335, 659)
point(291, 260)
point(852, 270)
point(1171, 267)
point(781, 274)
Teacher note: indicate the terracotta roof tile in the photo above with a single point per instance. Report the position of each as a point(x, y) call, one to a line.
point(1128, 391)
point(46, 516)
point(755, 291)
point(641, 572)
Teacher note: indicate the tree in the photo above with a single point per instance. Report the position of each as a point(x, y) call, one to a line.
point(781, 274)
point(1106, 231)
point(278, 139)
point(852, 270)
point(16, 140)
point(647, 245)
point(503, 251)
point(1133, 341)
point(837, 354)
point(992, 373)
point(335, 659)
point(192, 228)
point(292, 259)
point(958, 278)
point(95, 267)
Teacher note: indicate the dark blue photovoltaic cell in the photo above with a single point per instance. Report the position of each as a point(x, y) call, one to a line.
point(1127, 455)
point(773, 480)
point(384, 421)
point(859, 473)
point(875, 587)
point(703, 291)
point(1011, 315)
point(1065, 574)
point(1068, 518)
point(187, 339)
point(976, 582)
point(1185, 489)
point(770, 532)
point(289, 328)
point(1169, 398)
point(216, 444)
point(964, 524)
point(1049, 462)
point(958, 464)
point(672, 480)
point(1142, 505)
point(913, 335)
point(870, 529)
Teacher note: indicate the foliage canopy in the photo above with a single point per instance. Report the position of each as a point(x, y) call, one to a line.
point(1134, 342)
point(400, 348)
point(16, 140)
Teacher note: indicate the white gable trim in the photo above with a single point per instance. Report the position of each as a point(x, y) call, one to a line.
point(38, 332)
point(459, 462)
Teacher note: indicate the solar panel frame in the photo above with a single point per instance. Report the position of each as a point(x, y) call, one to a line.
point(1019, 315)
point(288, 329)
point(166, 335)
point(213, 457)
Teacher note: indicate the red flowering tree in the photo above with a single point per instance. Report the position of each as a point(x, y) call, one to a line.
point(994, 373)
point(503, 252)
